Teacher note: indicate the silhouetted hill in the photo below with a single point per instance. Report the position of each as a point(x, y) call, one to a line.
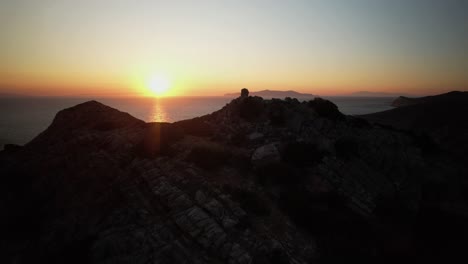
point(258, 181)
point(442, 117)
point(268, 94)
point(455, 97)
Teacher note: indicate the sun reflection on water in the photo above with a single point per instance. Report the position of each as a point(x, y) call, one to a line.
point(158, 112)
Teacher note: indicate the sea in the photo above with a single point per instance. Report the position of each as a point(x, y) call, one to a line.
point(23, 118)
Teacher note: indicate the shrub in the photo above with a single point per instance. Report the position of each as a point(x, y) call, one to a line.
point(196, 126)
point(341, 234)
point(250, 201)
point(157, 139)
point(251, 108)
point(301, 153)
point(325, 108)
point(239, 138)
point(277, 256)
point(277, 113)
point(209, 155)
point(392, 209)
point(359, 122)
point(315, 212)
point(291, 100)
point(442, 233)
point(426, 143)
point(279, 173)
point(347, 147)
point(435, 191)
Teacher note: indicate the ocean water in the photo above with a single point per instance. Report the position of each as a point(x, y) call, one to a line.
point(21, 119)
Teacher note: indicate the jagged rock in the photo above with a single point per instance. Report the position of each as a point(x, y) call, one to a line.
point(229, 223)
point(215, 208)
point(266, 154)
point(255, 136)
point(200, 197)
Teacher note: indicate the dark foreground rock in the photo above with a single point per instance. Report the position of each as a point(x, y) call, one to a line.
point(259, 181)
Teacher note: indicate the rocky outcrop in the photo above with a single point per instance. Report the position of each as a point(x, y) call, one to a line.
point(266, 154)
point(259, 181)
point(244, 92)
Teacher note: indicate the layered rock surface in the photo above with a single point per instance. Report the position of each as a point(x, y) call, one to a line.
point(259, 181)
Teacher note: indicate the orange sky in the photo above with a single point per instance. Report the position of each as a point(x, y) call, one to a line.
point(115, 48)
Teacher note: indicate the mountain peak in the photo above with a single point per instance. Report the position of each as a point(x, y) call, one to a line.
point(90, 115)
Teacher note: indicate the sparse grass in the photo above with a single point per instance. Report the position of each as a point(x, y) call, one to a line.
point(251, 108)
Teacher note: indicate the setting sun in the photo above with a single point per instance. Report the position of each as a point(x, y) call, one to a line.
point(158, 86)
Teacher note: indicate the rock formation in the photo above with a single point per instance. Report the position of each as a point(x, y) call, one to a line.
point(244, 92)
point(258, 181)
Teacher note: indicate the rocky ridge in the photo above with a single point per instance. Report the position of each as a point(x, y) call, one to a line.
point(276, 94)
point(259, 181)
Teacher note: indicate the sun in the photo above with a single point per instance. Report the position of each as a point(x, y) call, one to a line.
point(158, 85)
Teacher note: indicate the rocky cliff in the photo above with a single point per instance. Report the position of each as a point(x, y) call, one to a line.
point(259, 181)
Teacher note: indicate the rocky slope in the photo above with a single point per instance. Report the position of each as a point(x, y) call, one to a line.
point(441, 118)
point(259, 181)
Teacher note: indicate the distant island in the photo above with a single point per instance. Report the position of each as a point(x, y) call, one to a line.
point(275, 94)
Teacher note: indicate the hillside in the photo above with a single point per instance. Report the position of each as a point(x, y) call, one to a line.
point(442, 117)
point(258, 181)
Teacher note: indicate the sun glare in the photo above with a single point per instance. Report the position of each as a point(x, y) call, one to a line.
point(158, 86)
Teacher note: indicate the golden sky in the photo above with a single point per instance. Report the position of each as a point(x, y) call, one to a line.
point(197, 48)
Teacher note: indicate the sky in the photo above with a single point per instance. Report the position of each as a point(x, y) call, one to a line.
point(198, 48)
